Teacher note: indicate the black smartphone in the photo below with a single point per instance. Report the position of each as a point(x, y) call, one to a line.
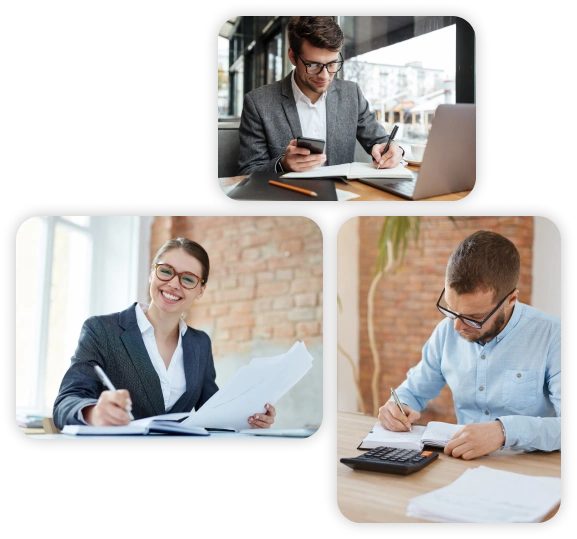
point(315, 145)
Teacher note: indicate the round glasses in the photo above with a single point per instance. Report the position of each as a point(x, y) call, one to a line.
point(314, 68)
point(469, 321)
point(188, 280)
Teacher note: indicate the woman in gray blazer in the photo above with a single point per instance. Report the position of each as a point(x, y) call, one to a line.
point(157, 362)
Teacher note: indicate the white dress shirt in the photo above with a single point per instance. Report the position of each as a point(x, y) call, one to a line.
point(313, 116)
point(172, 380)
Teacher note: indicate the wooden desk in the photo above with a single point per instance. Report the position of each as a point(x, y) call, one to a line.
point(366, 192)
point(375, 497)
point(32, 430)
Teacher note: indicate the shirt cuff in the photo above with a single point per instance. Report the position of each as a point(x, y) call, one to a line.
point(278, 166)
point(504, 434)
point(80, 417)
point(407, 399)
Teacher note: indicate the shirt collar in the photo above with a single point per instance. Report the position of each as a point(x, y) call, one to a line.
point(144, 323)
point(299, 96)
point(513, 321)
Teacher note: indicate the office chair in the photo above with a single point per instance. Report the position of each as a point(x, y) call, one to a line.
point(228, 150)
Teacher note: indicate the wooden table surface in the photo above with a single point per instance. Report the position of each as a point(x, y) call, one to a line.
point(366, 192)
point(377, 497)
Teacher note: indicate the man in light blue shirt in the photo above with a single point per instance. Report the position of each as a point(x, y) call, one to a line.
point(501, 358)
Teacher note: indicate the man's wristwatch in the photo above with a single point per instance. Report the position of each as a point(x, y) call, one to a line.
point(278, 165)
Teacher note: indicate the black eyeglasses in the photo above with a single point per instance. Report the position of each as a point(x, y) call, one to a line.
point(165, 272)
point(472, 323)
point(315, 68)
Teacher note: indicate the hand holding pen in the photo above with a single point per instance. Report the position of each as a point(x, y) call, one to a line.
point(113, 406)
point(398, 403)
point(391, 137)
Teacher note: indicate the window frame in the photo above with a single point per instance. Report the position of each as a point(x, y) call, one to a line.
point(99, 232)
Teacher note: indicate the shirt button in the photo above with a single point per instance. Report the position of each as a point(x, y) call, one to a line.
point(486, 412)
point(483, 356)
point(481, 388)
point(518, 375)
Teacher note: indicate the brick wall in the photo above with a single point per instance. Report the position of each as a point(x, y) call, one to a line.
point(265, 283)
point(405, 313)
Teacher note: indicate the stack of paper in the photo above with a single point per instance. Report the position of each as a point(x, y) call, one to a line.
point(486, 495)
point(264, 380)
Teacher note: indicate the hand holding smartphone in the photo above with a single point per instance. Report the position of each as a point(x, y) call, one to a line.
point(315, 145)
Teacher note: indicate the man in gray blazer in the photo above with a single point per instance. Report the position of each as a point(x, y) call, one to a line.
point(310, 102)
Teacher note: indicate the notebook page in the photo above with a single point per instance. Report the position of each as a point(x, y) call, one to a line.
point(438, 433)
point(408, 440)
point(368, 170)
point(321, 172)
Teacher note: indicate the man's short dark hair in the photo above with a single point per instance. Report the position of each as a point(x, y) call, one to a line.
point(484, 261)
point(320, 32)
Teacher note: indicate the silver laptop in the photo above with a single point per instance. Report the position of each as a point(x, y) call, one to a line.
point(449, 164)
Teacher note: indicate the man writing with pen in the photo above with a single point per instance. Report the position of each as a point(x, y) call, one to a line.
point(311, 102)
point(500, 358)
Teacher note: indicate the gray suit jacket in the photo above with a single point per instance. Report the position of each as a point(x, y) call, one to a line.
point(114, 342)
point(270, 121)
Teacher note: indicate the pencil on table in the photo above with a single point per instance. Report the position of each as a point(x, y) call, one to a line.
point(293, 188)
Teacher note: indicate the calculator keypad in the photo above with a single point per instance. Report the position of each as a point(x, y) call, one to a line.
point(391, 460)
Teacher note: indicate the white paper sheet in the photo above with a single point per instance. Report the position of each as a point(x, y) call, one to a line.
point(487, 495)
point(264, 380)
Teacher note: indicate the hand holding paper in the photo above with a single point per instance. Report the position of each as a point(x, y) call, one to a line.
point(263, 381)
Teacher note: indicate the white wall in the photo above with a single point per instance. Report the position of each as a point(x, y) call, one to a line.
point(348, 316)
point(145, 232)
point(546, 293)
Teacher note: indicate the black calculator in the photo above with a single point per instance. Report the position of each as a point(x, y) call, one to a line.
point(392, 460)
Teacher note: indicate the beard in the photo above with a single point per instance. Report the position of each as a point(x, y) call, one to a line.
point(311, 86)
point(476, 335)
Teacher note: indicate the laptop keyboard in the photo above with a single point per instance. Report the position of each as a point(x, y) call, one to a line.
point(407, 188)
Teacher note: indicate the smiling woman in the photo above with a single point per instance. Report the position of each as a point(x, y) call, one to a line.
point(158, 362)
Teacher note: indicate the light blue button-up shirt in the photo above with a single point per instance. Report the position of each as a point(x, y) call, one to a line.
point(515, 378)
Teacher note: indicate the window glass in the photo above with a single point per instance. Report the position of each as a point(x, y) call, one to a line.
point(412, 56)
point(405, 68)
point(237, 85)
point(55, 294)
point(81, 220)
point(223, 85)
point(274, 59)
point(69, 303)
point(30, 249)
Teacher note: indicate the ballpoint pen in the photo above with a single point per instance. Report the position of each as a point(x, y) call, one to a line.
point(293, 188)
point(398, 403)
point(109, 385)
point(391, 138)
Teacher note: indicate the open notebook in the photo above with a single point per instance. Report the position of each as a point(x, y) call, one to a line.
point(354, 171)
point(149, 425)
point(435, 433)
